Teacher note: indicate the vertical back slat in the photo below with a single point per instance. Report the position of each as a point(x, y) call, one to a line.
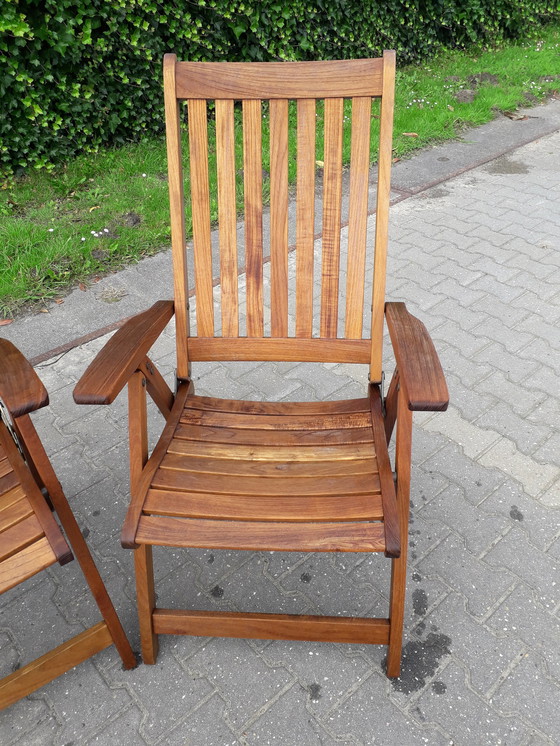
point(332, 193)
point(305, 216)
point(357, 216)
point(227, 217)
point(252, 167)
point(382, 215)
point(200, 195)
point(279, 216)
point(177, 214)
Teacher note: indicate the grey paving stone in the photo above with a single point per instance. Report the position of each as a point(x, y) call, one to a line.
point(164, 694)
point(478, 528)
point(481, 583)
point(466, 716)
point(245, 681)
point(91, 706)
point(455, 466)
point(325, 671)
point(539, 570)
point(516, 367)
point(474, 642)
point(526, 435)
point(206, 726)
point(287, 720)
point(537, 521)
point(121, 729)
point(387, 724)
point(528, 691)
point(522, 617)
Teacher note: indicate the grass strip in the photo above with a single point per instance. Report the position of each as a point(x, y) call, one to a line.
point(100, 212)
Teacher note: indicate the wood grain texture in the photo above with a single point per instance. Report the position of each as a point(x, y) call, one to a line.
point(285, 408)
point(382, 214)
point(420, 370)
point(270, 80)
point(398, 566)
point(272, 626)
point(177, 212)
point(264, 507)
point(387, 485)
point(227, 217)
point(41, 512)
point(138, 495)
point(242, 421)
point(257, 536)
point(288, 349)
point(200, 201)
point(317, 440)
point(146, 600)
point(252, 167)
point(109, 372)
point(26, 563)
point(29, 678)
point(357, 217)
point(278, 113)
point(21, 389)
point(332, 196)
point(305, 216)
point(45, 473)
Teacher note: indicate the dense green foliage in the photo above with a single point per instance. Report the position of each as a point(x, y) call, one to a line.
point(77, 74)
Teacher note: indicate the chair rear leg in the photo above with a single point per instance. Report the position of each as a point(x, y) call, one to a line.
point(146, 601)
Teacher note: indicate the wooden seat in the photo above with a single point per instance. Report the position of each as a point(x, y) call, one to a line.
point(30, 538)
point(312, 476)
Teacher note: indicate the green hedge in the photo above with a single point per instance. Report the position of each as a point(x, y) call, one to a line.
point(78, 74)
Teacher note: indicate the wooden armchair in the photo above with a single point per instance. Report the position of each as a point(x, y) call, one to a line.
point(273, 476)
point(31, 539)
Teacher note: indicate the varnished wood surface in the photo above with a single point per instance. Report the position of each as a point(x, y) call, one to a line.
point(272, 626)
point(287, 349)
point(385, 160)
point(53, 664)
point(176, 213)
point(116, 362)
point(300, 492)
point(26, 563)
point(261, 536)
point(419, 367)
point(270, 80)
point(200, 198)
point(41, 513)
point(20, 387)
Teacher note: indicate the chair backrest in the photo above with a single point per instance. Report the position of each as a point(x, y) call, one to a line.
point(299, 326)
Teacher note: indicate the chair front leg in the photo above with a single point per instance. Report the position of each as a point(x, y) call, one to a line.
point(398, 567)
point(143, 564)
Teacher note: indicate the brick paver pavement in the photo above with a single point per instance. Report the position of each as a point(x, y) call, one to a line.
point(477, 259)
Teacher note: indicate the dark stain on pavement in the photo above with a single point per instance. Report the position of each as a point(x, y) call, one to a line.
point(419, 602)
point(420, 661)
point(505, 165)
point(515, 513)
point(314, 692)
point(217, 591)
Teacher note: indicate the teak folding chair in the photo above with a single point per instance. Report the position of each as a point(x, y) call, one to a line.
point(273, 476)
point(31, 539)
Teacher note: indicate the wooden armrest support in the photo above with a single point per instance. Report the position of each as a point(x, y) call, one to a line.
point(418, 363)
point(109, 372)
point(21, 389)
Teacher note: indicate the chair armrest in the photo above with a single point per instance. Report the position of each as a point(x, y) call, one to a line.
point(418, 363)
point(110, 370)
point(21, 389)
